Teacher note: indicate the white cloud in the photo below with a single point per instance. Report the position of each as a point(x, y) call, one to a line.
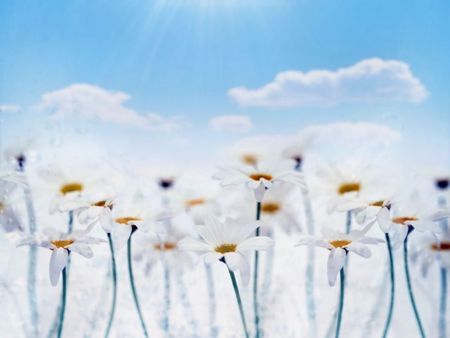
point(92, 102)
point(233, 123)
point(10, 108)
point(370, 80)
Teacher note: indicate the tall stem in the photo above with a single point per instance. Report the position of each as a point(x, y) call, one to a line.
point(239, 302)
point(392, 275)
point(114, 283)
point(166, 309)
point(255, 276)
point(341, 302)
point(443, 305)
point(133, 286)
point(408, 282)
point(32, 255)
point(310, 302)
point(63, 303)
point(212, 301)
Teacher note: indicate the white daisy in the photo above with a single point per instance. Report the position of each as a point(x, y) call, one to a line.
point(428, 249)
point(417, 220)
point(340, 244)
point(227, 241)
point(261, 177)
point(62, 244)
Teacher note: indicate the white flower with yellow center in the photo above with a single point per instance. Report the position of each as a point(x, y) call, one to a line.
point(261, 177)
point(373, 209)
point(97, 211)
point(427, 250)
point(227, 241)
point(62, 244)
point(340, 244)
point(401, 222)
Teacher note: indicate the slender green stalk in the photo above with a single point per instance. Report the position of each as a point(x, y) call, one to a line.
point(114, 282)
point(341, 302)
point(392, 275)
point(408, 282)
point(255, 276)
point(63, 303)
point(443, 305)
point(348, 222)
point(239, 301)
point(133, 286)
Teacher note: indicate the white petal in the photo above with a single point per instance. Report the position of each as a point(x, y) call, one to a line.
point(82, 249)
point(425, 226)
point(191, 244)
point(359, 249)
point(58, 262)
point(384, 220)
point(233, 260)
point(256, 243)
point(336, 261)
point(259, 192)
point(120, 235)
point(211, 257)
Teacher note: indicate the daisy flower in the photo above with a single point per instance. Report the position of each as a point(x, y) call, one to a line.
point(340, 244)
point(428, 249)
point(227, 241)
point(261, 177)
point(62, 244)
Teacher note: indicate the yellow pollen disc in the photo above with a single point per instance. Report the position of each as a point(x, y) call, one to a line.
point(270, 207)
point(71, 187)
point(259, 176)
point(377, 204)
point(249, 159)
point(195, 201)
point(103, 204)
point(349, 187)
point(443, 246)
point(62, 243)
point(403, 220)
point(340, 243)
point(126, 220)
point(224, 248)
point(165, 246)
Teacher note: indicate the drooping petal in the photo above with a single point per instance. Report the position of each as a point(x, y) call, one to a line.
point(336, 261)
point(384, 220)
point(211, 257)
point(58, 262)
point(82, 249)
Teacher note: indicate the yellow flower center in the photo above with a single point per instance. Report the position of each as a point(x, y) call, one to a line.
point(442, 246)
point(403, 220)
point(62, 243)
point(349, 187)
point(377, 204)
point(71, 187)
point(103, 204)
point(195, 201)
point(224, 248)
point(127, 220)
point(340, 243)
point(270, 207)
point(259, 176)
point(249, 159)
point(166, 246)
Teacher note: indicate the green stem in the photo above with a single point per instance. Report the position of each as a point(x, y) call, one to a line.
point(443, 305)
point(341, 302)
point(255, 276)
point(392, 275)
point(408, 282)
point(114, 282)
point(239, 301)
point(133, 286)
point(63, 303)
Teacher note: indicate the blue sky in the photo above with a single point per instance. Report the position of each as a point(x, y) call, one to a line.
point(182, 57)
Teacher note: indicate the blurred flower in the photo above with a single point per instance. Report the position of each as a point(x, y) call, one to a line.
point(62, 244)
point(340, 244)
point(227, 240)
point(9, 219)
point(428, 249)
point(153, 247)
point(261, 177)
point(369, 210)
